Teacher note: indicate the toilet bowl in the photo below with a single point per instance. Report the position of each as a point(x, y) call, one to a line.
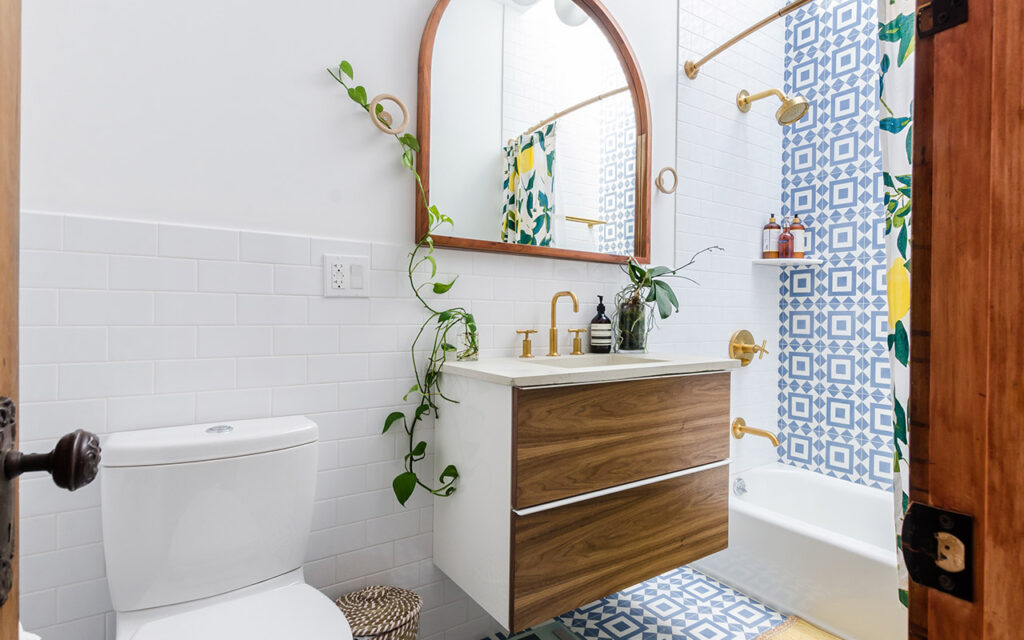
point(205, 530)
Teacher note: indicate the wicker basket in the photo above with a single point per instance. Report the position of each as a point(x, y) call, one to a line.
point(382, 613)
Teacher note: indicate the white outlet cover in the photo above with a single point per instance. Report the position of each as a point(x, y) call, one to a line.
point(346, 276)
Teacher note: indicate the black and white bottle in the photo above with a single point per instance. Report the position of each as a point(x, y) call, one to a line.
point(600, 330)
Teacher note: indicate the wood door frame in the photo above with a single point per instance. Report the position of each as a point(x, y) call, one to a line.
point(967, 388)
point(10, 150)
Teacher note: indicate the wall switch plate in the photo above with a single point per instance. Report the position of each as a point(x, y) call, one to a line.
point(346, 276)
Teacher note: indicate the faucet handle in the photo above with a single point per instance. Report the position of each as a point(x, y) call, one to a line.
point(577, 342)
point(527, 343)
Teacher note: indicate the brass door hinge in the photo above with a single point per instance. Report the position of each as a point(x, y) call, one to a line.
point(940, 15)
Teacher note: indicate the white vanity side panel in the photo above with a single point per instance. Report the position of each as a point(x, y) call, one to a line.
point(472, 528)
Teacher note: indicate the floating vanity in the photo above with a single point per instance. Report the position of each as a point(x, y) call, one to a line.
point(579, 476)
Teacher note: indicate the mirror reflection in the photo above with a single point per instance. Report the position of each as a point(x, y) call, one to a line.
point(533, 129)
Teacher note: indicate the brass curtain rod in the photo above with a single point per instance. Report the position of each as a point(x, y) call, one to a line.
point(692, 68)
point(566, 112)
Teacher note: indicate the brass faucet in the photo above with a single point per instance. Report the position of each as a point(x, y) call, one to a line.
point(740, 429)
point(553, 334)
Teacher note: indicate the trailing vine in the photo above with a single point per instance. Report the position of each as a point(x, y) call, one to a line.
point(440, 329)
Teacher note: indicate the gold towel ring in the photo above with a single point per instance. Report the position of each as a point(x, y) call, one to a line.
point(384, 120)
point(660, 182)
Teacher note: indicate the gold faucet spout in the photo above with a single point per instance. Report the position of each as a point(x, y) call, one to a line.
point(740, 429)
point(553, 333)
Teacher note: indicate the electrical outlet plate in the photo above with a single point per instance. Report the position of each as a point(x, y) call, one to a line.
point(346, 276)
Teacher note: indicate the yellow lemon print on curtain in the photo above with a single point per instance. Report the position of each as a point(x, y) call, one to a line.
point(898, 279)
point(526, 161)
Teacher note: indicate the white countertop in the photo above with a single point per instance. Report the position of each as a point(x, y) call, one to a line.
point(591, 367)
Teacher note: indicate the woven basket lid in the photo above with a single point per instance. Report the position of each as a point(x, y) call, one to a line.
point(378, 609)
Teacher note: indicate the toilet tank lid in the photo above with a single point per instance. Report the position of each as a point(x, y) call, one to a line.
point(210, 441)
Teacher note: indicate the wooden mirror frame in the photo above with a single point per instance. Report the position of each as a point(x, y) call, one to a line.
point(641, 107)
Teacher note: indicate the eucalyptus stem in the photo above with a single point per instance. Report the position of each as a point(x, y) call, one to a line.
point(442, 321)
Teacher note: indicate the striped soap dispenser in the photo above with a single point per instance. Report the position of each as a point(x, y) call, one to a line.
point(600, 330)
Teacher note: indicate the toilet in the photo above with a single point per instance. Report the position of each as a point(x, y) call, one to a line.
point(205, 530)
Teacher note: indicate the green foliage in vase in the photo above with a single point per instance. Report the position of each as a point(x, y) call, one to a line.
point(440, 331)
point(648, 287)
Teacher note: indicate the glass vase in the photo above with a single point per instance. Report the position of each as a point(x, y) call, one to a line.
point(632, 326)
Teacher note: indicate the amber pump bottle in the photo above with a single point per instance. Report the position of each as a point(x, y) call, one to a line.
point(785, 243)
point(600, 330)
point(770, 239)
point(800, 239)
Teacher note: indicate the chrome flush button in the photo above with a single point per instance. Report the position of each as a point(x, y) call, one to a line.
point(220, 428)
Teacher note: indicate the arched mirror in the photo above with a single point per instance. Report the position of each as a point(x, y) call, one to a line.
point(534, 125)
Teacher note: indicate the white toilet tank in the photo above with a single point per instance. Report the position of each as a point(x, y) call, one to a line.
point(193, 512)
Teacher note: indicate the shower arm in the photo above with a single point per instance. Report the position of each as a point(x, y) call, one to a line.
point(693, 68)
point(747, 99)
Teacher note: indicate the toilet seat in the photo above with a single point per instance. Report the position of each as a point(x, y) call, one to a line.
point(295, 611)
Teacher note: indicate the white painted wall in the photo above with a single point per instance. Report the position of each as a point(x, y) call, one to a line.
point(220, 115)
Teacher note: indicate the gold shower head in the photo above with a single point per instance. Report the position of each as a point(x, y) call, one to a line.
point(792, 109)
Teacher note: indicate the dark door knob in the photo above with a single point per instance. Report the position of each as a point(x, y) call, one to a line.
point(73, 463)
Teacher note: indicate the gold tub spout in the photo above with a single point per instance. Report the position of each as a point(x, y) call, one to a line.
point(553, 334)
point(740, 429)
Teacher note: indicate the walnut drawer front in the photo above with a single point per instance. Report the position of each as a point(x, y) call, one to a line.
point(568, 556)
point(572, 440)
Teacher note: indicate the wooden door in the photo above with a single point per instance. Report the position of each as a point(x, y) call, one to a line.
point(10, 85)
point(967, 378)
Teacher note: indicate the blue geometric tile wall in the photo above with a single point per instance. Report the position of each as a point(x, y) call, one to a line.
point(833, 364)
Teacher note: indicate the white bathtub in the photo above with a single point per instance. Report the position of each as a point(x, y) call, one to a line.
point(816, 547)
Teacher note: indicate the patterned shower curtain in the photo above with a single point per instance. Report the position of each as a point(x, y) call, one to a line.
point(529, 188)
point(896, 92)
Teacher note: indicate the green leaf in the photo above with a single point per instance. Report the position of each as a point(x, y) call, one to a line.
point(665, 291)
point(392, 418)
point(900, 29)
point(346, 68)
point(657, 271)
point(901, 240)
point(636, 273)
point(433, 265)
point(404, 484)
point(445, 316)
point(447, 347)
point(407, 159)
point(901, 343)
point(449, 473)
point(358, 95)
point(410, 141)
point(893, 125)
point(420, 449)
point(423, 408)
point(413, 388)
point(441, 287)
point(900, 426)
point(907, 179)
point(887, 179)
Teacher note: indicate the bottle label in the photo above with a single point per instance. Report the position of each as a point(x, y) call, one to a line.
point(601, 335)
point(800, 241)
point(770, 239)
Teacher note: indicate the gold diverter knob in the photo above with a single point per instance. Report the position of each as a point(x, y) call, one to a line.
point(742, 347)
point(527, 343)
point(577, 342)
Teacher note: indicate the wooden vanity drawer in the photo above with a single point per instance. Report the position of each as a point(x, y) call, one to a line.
point(568, 556)
point(572, 440)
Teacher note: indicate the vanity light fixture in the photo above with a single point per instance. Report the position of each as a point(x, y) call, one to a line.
point(569, 13)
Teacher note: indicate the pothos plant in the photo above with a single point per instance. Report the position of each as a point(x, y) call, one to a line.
point(648, 288)
point(440, 331)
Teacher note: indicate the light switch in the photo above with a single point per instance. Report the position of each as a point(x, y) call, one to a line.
point(346, 276)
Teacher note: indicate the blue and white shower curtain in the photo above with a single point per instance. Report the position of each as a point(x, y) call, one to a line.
point(896, 98)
